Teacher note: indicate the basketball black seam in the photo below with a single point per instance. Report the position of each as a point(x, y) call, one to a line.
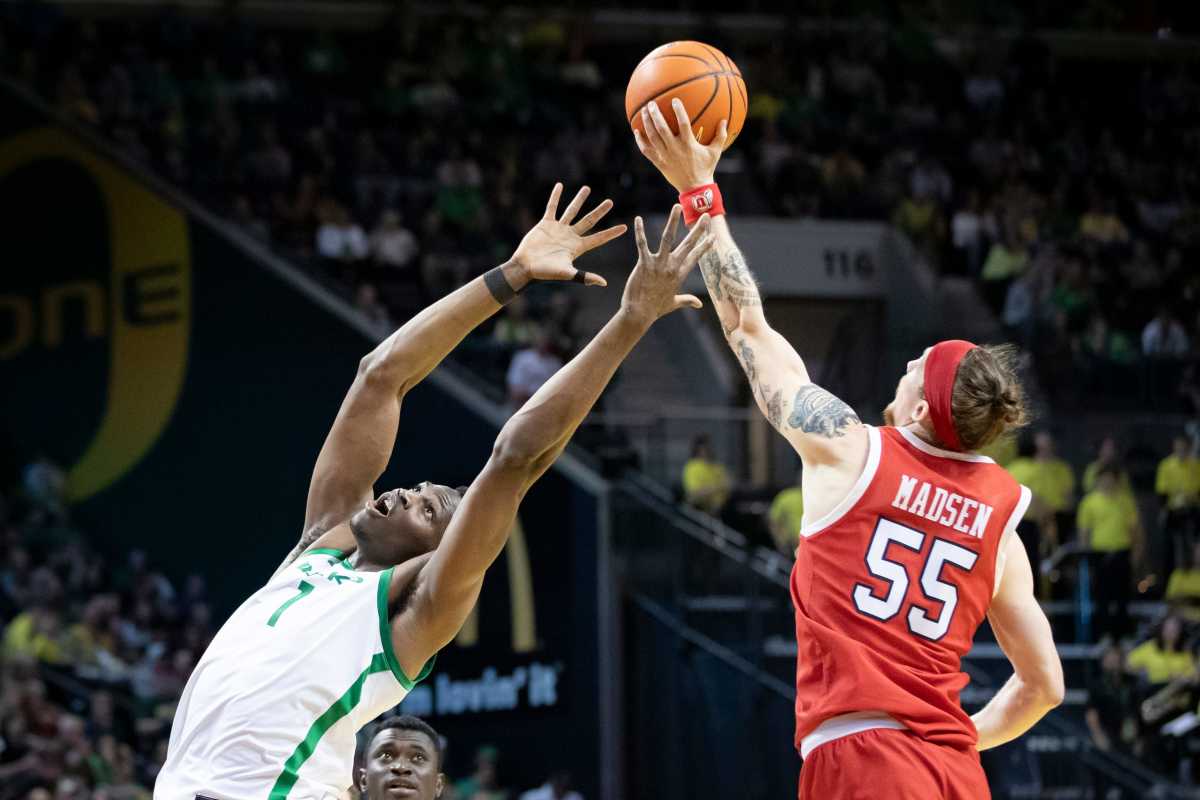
point(741, 93)
point(729, 68)
point(716, 56)
point(682, 55)
point(711, 97)
point(666, 89)
point(729, 90)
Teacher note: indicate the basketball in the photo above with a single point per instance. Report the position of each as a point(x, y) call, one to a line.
point(705, 79)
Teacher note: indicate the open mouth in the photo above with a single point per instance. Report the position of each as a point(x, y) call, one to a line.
point(384, 504)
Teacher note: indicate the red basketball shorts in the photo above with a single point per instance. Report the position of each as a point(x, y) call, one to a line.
point(894, 764)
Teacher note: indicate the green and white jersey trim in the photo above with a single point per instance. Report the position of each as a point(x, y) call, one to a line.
point(272, 709)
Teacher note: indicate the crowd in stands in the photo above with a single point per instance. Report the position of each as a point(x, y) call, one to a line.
point(95, 650)
point(409, 158)
point(94, 654)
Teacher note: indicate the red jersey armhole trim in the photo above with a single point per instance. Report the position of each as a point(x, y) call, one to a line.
point(874, 448)
point(1019, 510)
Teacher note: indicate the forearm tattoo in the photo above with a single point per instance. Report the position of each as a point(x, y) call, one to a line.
point(771, 401)
point(746, 356)
point(728, 278)
point(815, 410)
point(774, 405)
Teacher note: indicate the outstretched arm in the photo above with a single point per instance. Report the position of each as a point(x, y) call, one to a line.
point(821, 427)
point(1023, 632)
point(358, 447)
point(449, 584)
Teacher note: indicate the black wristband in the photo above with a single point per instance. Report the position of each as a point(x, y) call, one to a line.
point(498, 285)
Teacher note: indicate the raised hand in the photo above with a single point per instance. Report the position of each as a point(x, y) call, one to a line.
point(682, 160)
point(549, 249)
point(651, 290)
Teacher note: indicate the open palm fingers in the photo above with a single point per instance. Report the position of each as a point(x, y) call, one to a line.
point(590, 219)
point(575, 204)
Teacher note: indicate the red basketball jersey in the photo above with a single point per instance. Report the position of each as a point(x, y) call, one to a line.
point(890, 586)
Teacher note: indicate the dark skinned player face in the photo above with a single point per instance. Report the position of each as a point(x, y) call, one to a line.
point(404, 523)
point(401, 764)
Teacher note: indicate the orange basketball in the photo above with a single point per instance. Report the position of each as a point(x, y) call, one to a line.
point(705, 79)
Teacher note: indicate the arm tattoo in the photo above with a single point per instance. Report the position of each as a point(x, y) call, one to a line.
point(774, 404)
point(746, 356)
point(729, 277)
point(817, 411)
point(710, 268)
point(739, 283)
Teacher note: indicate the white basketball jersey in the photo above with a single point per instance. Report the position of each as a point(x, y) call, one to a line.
point(273, 706)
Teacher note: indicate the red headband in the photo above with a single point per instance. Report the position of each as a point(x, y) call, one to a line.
point(941, 368)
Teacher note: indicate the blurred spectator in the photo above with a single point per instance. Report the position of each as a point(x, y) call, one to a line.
point(1101, 224)
point(1101, 343)
point(482, 784)
point(1108, 525)
point(530, 368)
point(1177, 484)
point(514, 328)
point(920, 218)
point(1002, 450)
point(706, 483)
point(843, 178)
point(1111, 713)
point(930, 179)
point(459, 195)
point(36, 633)
point(561, 319)
point(1164, 337)
point(243, 214)
point(392, 245)
point(983, 90)
point(786, 516)
point(556, 787)
point(340, 239)
point(270, 163)
point(45, 484)
point(1006, 260)
point(1052, 483)
point(1163, 657)
point(366, 300)
point(1183, 587)
point(1107, 455)
point(970, 229)
point(73, 99)
point(1054, 480)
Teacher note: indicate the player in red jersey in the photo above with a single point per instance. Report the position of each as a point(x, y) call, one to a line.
point(908, 540)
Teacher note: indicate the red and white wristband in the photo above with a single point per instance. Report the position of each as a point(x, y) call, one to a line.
point(701, 200)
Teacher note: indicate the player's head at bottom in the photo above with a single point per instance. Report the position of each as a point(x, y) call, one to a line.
point(402, 758)
point(986, 399)
point(404, 523)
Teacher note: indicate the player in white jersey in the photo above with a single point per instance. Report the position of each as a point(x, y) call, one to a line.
point(378, 584)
